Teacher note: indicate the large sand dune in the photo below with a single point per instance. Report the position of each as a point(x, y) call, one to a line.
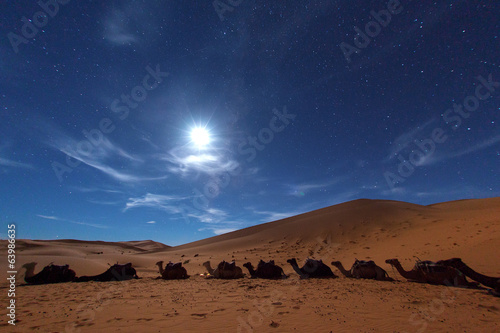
point(363, 229)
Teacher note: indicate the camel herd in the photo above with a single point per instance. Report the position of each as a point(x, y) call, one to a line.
point(451, 272)
point(56, 274)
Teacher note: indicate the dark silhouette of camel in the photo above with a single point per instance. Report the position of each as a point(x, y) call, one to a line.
point(114, 273)
point(266, 270)
point(49, 274)
point(312, 269)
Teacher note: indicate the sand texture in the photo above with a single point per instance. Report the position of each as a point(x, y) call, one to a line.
point(362, 229)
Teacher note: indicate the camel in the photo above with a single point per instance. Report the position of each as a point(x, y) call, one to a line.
point(312, 269)
point(488, 281)
point(114, 273)
point(49, 274)
point(432, 273)
point(266, 270)
point(172, 271)
point(364, 270)
point(224, 270)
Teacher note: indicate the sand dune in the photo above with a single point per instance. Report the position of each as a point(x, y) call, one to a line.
point(363, 229)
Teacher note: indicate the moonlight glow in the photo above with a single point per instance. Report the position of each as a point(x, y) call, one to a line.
point(200, 137)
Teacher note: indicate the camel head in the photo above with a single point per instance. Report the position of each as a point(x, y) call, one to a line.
point(248, 265)
point(29, 265)
point(292, 262)
point(159, 263)
point(207, 264)
point(336, 263)
point(392, 261)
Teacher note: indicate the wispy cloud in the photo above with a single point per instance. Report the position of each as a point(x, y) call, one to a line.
point(97, 156)
point(95, 189)
point(14, 164)
point(480, 146)
point(102, 202)
point(404, 140)
point(48, 217)
point(55, 218)
point(186, 161)
point(301, 189)
point(271, 216)
point(219, 231)
point(394, 191)
point(9, 162)
point(435, 157)
point(158, 201)
point(214, 219)
point(151, 222)
point(117, 29)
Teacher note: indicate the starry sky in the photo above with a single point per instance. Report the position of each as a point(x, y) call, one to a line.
point(302, 104)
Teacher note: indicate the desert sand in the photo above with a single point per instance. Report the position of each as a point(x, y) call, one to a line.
point(363, 229)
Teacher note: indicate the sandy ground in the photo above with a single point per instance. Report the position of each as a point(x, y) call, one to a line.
point(363, 229)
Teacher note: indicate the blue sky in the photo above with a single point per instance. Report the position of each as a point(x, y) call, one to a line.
point(98, 102)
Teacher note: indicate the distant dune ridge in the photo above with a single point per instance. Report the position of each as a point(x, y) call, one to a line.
point(362, 229)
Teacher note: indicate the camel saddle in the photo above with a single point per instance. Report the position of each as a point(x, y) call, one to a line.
point(430, 266)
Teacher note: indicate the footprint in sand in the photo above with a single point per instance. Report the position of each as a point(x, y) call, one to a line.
point(199, 315)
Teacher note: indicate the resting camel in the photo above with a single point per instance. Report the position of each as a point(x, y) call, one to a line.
point(114, 273)
point(362, 269)
point(49, 274)
point(488, 281)
point(224, 270)
point(432, 273)
point(312, 269)
point(266, 270)
point(172, 271)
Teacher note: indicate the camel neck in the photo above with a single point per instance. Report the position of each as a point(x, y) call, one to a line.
point(30, 271)
point(343, 271)
point(209, 269)
point(298, 270)
point(488, 281)
point(407, 275)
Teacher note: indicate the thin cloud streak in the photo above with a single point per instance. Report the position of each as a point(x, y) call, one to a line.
point(55, 218)
point(274, 216)
point(300, 189)
point(14, 164)
point(158, 201)
point(434, 158)
point(106, 150)
point(405, 139)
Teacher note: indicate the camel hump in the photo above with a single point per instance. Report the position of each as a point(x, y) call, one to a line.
point(430, 266)
point(313, 262)
point(172, 265)
point(224, 265)
point(364, 263)
point(263, 263)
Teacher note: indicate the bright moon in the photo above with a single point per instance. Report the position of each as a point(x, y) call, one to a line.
point(200, 137)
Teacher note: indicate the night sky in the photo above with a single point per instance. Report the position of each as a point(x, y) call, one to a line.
point(298, 105)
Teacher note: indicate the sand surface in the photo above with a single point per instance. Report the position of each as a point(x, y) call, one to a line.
point(363, 229)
